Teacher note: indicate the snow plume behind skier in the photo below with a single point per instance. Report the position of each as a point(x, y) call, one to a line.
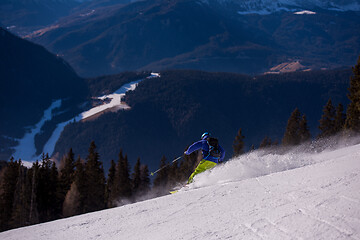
point(267, 161)
point(212, 154)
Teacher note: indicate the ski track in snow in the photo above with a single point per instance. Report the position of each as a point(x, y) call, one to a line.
point(115, 102)
point(250, 197)
point(26, 149)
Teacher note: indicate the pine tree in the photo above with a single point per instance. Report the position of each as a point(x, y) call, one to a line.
point(43, 188)
point(291, 136)
point(46, 189)
point(72, 203)
point(122, 184)
point(136, 178)
point(20, 211)
point(252, 148)
point(67, 173)
point(173, 176)
point(297, 130)
point(33, 176)
point(161, 179)
point(145, 180)
point(55, 199)
point(266, 142)
point(110, 182)
point(327, 121)
point(8, 187)
point(95, 181)
point(238, 144)
point(75, 197)
point(187, 166)
point(304, 131)
point(353, 111)
point(340, 119)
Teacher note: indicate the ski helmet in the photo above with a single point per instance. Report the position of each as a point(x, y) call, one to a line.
point(205, 135)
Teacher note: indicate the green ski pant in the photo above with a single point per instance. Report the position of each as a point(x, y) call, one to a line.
point(202, 167)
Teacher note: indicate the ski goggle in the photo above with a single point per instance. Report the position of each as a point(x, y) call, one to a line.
point(205, 135)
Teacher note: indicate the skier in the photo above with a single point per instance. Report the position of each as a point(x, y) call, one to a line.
point(212, 153)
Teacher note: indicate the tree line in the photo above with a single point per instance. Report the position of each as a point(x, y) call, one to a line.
point(333, 121)
point(43, 192)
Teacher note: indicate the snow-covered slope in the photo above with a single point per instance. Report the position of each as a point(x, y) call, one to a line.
point(250, 197)
point(26, 149)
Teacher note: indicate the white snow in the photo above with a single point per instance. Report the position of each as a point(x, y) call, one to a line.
point(254, 196)
point(304, 12)
point(154, 75)
point(115, 102)
point(88, 13)
point(26, 148)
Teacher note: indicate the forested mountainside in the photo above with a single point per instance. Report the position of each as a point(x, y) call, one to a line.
point(205, 35)
point(169, 113)
point(31, 79)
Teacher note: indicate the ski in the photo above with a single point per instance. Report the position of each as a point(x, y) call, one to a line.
point(180, 188)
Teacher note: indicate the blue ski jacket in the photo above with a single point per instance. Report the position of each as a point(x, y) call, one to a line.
point(204, 146)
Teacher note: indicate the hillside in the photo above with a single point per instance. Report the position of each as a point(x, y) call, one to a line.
point(260, 195)
point(25, 16)
point(171, 112)
point(31, 80)
point(205, 35)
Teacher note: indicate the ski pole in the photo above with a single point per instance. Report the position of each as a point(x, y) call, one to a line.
point(152, 173)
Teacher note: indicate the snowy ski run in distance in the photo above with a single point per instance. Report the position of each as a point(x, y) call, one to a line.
point(26, 148)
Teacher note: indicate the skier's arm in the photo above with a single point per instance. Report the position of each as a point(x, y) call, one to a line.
point(194, 147)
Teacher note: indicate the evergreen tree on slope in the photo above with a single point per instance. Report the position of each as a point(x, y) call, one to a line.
point(327, 121)
point(66, 173)
point(266, 142)
point(136, 178)
point(110, 183)
point(353, 111)
point(340, 118)
point(75, 197)
point(161, 179)
point(145, 179)
point(238, 144)
point(304, 129)
point(8, 187)
point(291, 136)
point(47, 188)
point(19, 216)
point(122, 184)
point(297, 130)
point(95, 181)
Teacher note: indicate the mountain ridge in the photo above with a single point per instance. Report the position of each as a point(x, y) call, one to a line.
point(204, 36)
point(268, 6)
